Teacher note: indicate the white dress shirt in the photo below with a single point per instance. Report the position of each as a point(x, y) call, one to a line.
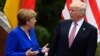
point(79, 23)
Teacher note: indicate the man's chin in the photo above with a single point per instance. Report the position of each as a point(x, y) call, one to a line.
point(72, 19)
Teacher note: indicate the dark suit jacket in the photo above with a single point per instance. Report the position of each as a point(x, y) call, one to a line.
point(84, 44)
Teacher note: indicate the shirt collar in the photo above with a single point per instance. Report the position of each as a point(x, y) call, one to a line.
point(79, 23)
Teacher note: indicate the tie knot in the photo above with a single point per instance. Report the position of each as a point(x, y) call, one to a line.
point(75, 23)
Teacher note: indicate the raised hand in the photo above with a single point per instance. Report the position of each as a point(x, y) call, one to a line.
point(45, 48)
point(31, 53)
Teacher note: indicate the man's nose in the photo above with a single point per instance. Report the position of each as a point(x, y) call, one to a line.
point(70, 11)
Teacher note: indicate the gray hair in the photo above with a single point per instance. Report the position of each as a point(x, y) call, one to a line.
point(79, 4)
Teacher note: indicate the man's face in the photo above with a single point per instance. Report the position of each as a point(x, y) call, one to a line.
point(74, 13)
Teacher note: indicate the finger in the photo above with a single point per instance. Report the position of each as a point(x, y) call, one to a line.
point(34, 52)
point(30, 49)
point(46, 44)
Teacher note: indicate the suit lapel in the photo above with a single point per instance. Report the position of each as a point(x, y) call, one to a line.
point(66, 29)
point(80, 33)
point(81, 30)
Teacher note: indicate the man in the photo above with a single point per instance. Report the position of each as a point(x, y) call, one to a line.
point(74, 37)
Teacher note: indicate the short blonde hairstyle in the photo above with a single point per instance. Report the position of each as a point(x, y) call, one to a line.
point(78, 4)
point(25, 15)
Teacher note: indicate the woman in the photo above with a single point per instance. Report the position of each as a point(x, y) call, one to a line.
point(22, 41)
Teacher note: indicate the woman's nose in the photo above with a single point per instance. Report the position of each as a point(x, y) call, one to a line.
point(35, 20)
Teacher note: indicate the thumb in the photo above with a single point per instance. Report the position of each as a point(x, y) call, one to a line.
point(46, 45)
point(30, 49)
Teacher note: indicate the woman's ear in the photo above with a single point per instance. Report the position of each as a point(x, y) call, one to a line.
point(27, 22)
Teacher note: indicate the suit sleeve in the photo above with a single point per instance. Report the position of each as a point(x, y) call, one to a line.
point(11, 45)
point(54, 42)
point(92, 44)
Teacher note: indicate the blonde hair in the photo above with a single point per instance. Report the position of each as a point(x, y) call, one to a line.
point(25, 15)
point(78, 4)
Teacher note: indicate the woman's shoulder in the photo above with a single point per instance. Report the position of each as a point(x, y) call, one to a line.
point(15, 30)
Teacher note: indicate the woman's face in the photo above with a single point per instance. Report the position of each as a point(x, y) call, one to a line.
point(31, 22)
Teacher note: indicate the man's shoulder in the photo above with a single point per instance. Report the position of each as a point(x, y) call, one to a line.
point(88, 25)
point(65, 21)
